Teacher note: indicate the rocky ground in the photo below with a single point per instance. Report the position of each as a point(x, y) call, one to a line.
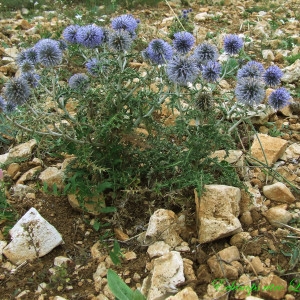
point(225, 245)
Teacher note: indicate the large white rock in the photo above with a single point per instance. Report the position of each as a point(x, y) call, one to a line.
point(166, 274)
point(163, 226)
point(32, 237)
point(278, 192)
point(217, 211)
point(292, 72)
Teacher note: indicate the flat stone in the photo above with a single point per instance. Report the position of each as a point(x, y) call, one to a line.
point(166, 274)
point(217, 211)
point(32, 237)
point(273, 149)
point(272, 287)
point(278, 192)
point(29, 175)
point(23, 150)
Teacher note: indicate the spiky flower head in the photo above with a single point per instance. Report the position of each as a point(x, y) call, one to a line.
point(32, 55)
point(10, 107)
point(70, 33)
point(90, 36)
point(158, 51)
point(205, 52)
point(26, 66)
point(125, 22)
point(211, 71)
point(183, 42)
point(204, 101)
point(49, 53)
point(119, 40)
point(17, 91)
point(182, 70)
point(250, 91)
point(62, 45)
point(279, 98)
point(272, 76)
point(251, 69)
point(233, 44)
point(21, 57)
point(32, 78)
point(79, 81)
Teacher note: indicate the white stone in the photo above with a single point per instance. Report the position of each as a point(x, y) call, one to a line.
point(217, 211)
point(61, 260)
point(32, 237)
point(268, 55)
point(23, 150)
point(51, 176)
point(201, 16)
point(163, 226)
point(166, 274)
point(291, 152)
point(278, 192)
point(159, 248)
point(278, 214)
point(292, 72)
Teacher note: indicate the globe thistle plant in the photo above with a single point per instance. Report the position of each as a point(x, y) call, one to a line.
point(250, 91)
point(49, 53)
point(279, 98)
point(17, 91)
point(32, 55)
point(26, 66)
point(2, 104)
point(119, 40)
point(211, 71)
point(233, 44)
point(125, 22)
point(158, 51)
point(251, 69)
point(90, 36)
point(183, 42)
point(10, 107)
point(272, 76)
point(32, 78)
point(182, 70)
point(79, 81)
point(204, 53)
point(62, 45)
point(70, 33)
point(21, 57)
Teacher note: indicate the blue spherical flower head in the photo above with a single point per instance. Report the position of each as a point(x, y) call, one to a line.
point(70, 33)
point(233, 44)
point(90, 36)
point(62, 45)
point(17, 91)
point(272, 76)
point(251, 69)
point(79, 81)
point(182, 70)
point(93, 66)
point(125, 22)
point(26, 66)
point(211, 71)
point(204, 53)
point(279, 98)
point(250, 91)
point(32, 55)
point(120, 40)
point(21, 57)
point(158, 51)
point(10, 107)
point(49, 53)
point(32, 78)
point(183, 42)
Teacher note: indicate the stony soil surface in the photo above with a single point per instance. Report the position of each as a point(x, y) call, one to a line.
point(85, 246)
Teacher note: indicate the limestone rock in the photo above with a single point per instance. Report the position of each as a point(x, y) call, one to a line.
point(52, 176)
point(167, 272)
point(217, 211)
point(250, 199)
point(244, 283)
point(292, 72)
point(159, 248)
point(240, 239)
point(291, 152)
point(163, 226)
point(278, 214)
point(277, 287)
point(20, 190)
point(273, 149)
point(185, 294)
point(29, 175)
point(226, 263)
point(278, 192)
point(32, 237)
point(216, 292)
